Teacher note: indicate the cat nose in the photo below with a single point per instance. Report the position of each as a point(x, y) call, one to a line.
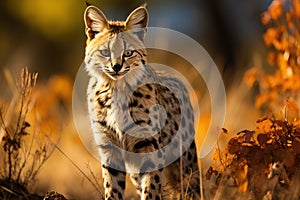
point(117, 67)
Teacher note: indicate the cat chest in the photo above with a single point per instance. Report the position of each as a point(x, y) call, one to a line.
point(119, 110)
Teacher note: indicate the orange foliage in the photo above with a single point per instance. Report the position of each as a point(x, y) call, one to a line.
point(251, 154)
point(282, 20)
point(275, 10)
point(254, 157)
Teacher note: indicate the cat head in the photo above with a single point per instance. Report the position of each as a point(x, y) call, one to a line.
point(115, 48)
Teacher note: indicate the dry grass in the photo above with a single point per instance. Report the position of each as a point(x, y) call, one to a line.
point(22, 154)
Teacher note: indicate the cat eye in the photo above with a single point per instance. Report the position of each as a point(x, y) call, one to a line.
point(105, 53)
point(128, 53)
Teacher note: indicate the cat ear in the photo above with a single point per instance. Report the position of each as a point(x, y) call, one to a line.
point(137, 21)
point(95, 21)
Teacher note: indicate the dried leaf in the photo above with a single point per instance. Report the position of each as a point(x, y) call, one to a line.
point(270, 36)
point(296, 146)
point(296, 5)
point(265, 18)
point(272, 58)
point(275, 9)
point(289, 158)
point(262, 139)
point(251, 76)
point(233, 146)
point(224, 131)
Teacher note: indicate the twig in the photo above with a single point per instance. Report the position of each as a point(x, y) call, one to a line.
point(188, 184)
point(201, 181)
point(8, 190)
point(95, 178)
point(22, 166)
point(74, 164)
point(181, 170)
point(220, 155)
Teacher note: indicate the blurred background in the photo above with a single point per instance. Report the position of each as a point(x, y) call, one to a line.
point(47, 36)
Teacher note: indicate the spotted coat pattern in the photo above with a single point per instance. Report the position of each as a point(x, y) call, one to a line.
point(135, 109)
